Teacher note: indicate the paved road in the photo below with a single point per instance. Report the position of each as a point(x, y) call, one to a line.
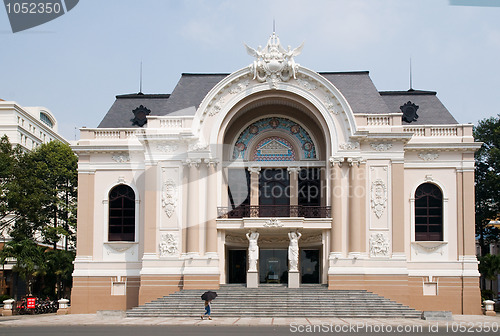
point(187, 330)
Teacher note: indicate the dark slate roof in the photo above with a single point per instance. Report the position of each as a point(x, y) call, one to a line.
point(359, 90)
point(120, 113)
point(356, 86)
point(190, 91)
point(430, 109)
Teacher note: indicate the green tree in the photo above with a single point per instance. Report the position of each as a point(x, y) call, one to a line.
point(487, 180)
point(44, 192)
point(29, 257)
point(40, 189)
point(489, 267)
point(8, 161)
point(59, 271)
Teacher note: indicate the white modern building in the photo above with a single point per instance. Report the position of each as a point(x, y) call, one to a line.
point(276, 173)
point(28, 127)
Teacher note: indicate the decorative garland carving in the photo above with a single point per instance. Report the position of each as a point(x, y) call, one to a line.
point(349, 145)
point(429, 247)
point(169, 198)
point(379, 245)
point(168, 245)
point(381, 147)
point(121, 158)
point(306, 84)
point(428, 156)
point(167, 148)
point(378, 197)
point(273, 223)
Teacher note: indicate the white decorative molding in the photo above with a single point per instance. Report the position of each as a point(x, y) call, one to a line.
point(429, 247)
point(336, 161)
point(167, 148)
point(121, 180)
point(381, 147)
point(198, 147)
point(119, 247)
point(294, 170)
point(429, 178)
point(379, 245)
point(274, 147)
point(312, 239)
point(330, 105)
point(121, 158)
point(216, 107)
point(378, 197)
point(168, 245)
point(235, 239)
point(273, 63)
point(429, 156)
point(169, 197)
point(254, 170)
point(273, 222)
point(238, 87)
point(192, 162)
point(349, 145)
point(274, 240)
point(306, 84)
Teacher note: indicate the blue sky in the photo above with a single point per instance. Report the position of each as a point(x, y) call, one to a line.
point(76, 64)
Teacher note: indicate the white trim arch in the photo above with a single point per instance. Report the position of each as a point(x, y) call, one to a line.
point(332, 110)
point(268, 133)
point(105, 202)
point(441, 187)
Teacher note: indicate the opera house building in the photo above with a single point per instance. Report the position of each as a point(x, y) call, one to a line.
point(277, 174)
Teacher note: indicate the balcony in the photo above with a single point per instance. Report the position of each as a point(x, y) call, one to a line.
point(275, 211)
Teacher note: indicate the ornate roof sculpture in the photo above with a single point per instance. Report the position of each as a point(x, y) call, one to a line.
point(274, 63)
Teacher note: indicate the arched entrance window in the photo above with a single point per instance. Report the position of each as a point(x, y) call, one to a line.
point(121, 214)
point(428, 213)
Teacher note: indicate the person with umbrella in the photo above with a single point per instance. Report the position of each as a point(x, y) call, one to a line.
point(208, 297)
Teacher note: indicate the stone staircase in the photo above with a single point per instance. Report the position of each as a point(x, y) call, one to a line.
point(276, 301)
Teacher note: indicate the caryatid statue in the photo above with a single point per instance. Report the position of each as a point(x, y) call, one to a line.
point(293, 251)
point(253, 251)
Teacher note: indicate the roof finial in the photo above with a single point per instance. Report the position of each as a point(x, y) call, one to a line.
point(140, 85)
point(274, 26)
point(411, 84)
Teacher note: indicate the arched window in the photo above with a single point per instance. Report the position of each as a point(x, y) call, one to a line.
point(121, 214)
point(428, 213)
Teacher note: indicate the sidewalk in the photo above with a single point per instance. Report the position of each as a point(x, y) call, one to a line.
point(94, 319)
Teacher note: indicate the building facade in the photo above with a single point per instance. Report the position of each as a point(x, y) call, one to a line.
point(276, 173)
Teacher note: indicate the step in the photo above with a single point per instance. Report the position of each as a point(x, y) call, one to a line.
point(277, 301)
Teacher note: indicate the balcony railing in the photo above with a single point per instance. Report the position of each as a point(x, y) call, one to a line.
point(275, 211)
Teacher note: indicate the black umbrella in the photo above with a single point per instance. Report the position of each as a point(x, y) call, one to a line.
point(209, 296)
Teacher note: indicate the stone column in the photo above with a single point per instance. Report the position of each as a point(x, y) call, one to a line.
point(398, 229)
point(211, 229)
point(192, 218)
point(254, 188)
point(469, 213)
point(460, 215)
point(85, 215)
point(354, 207)
point(336, 207)
point(150, 210)
point(294, 190)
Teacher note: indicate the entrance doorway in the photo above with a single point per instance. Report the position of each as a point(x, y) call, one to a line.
point(273, 267)
point(309, 266)
point(237, 266)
